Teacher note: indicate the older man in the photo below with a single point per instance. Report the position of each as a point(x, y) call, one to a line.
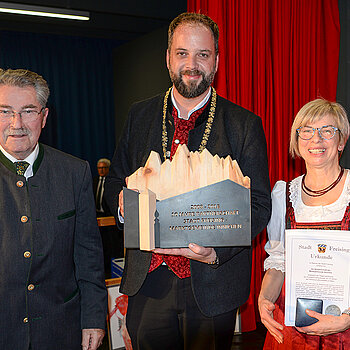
point(112, 236)
point(52, 292)
point(103, 165)
point(187, 298)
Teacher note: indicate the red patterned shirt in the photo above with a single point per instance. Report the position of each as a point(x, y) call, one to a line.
point(178, 264)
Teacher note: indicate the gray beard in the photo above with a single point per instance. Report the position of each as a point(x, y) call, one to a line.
point(191, 90)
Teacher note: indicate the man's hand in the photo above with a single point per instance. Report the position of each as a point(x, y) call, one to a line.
point(92, 338)
point(121, 203)
point(194, 252)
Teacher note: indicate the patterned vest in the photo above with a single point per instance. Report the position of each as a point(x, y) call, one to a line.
point(178, 264)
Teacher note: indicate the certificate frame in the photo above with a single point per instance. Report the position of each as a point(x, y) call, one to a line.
point(117, 304)
point(317, 267)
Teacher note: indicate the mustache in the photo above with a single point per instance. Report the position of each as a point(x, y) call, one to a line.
point(17, 132)
point(192, 72)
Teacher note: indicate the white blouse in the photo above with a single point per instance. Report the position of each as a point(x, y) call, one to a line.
point(303, 213)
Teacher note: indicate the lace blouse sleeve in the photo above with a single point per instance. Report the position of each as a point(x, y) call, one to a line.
point(275, 229)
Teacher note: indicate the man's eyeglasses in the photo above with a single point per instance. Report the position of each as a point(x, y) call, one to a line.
point(28, 114)
point(326, 132)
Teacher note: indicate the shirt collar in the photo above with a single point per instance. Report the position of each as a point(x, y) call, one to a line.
point(198, 106)
point(30, 159)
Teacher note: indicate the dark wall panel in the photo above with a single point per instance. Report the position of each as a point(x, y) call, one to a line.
point(139, 72)
point(79, 74)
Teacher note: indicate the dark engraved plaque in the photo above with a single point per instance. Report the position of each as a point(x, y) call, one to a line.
point(217, 215)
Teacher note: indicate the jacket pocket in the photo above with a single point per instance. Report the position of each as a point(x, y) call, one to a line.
point(66, 215)
point(71, 296)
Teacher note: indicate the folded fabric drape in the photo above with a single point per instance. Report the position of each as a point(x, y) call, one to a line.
point(274, 57)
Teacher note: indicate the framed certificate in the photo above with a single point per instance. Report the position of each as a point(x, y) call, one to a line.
point(317, 267)
point(117, 307)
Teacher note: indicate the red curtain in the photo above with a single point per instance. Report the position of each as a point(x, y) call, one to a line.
point(275, 55)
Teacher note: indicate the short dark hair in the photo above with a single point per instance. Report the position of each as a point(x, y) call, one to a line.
point(194, 18)
point(24, 78)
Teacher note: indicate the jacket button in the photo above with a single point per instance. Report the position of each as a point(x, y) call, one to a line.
point(24, 218)
point(19, 183)
point(27, 254)
point(30, 287)
point(25, 320)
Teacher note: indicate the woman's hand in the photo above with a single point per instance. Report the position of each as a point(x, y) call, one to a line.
point(266, 308)
point(326, 325)
point(270, 290)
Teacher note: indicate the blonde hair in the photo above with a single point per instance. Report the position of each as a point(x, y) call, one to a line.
point(313, 111)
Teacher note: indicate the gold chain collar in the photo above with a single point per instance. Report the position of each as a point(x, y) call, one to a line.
point(207, 127)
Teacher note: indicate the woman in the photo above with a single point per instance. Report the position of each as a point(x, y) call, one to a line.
point(319, 133)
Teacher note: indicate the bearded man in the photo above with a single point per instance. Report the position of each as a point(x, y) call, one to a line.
point(187, 298)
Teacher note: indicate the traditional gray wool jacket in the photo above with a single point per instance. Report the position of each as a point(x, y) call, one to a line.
point(51, 262)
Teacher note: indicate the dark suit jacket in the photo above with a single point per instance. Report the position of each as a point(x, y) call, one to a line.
point(105, 207)
point(51, 262)
point(236, 132)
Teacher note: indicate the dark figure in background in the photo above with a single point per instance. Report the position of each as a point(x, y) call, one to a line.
point(102, 208)
point(112, 236)
point(52, 290)
point(187, 298)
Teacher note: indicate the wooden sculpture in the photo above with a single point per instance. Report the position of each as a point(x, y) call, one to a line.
point(186, 172)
